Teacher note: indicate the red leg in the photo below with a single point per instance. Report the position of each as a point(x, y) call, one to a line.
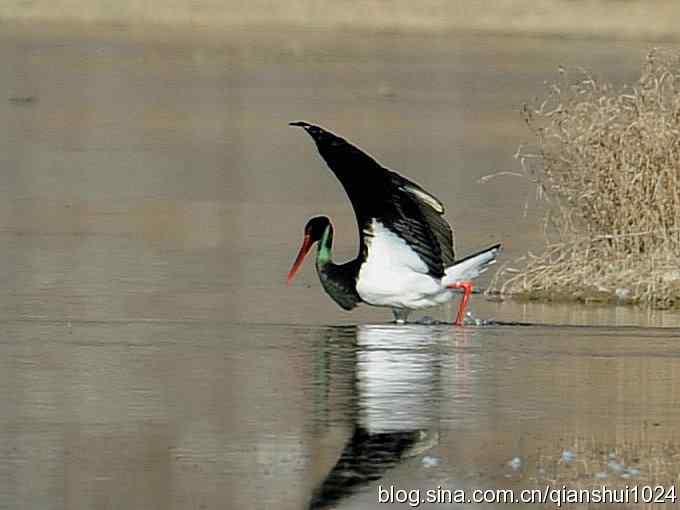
point(467, 290)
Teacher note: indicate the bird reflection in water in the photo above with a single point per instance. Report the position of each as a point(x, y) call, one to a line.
point(394, 405)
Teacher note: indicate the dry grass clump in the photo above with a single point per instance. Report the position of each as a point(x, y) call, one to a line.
point(608, 163)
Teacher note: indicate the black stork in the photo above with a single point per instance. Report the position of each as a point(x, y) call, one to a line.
point(406, 259)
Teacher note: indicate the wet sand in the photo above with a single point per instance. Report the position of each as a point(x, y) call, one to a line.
point(152, 198)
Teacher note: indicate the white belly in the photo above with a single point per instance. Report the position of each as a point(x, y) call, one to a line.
point(393, 274)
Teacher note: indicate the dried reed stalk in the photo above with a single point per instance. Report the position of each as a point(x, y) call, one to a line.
point(608, 162)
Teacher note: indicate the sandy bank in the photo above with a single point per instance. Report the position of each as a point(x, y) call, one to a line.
point(588, 18)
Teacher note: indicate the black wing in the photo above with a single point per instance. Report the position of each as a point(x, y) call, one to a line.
point(378, 193)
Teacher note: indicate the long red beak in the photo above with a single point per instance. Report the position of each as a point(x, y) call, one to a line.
point(304, 250)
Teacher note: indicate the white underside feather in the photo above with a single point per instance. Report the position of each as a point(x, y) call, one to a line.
point(394, 275)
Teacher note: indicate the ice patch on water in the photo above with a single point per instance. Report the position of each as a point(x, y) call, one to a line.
point(471, 320)
point(633, 471)
point(468, 320)
point(429, 461)
point(568, 455)
point(616, 467)
point(515, 463)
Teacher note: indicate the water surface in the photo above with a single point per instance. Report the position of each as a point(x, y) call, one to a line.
point(151, 201)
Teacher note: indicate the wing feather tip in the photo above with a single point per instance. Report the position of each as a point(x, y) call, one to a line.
point(425, 197)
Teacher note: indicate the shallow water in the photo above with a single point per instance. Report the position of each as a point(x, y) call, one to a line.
point(151, 201)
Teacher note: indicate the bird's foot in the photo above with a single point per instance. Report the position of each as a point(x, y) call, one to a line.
point(467, 290)
point(400, 315)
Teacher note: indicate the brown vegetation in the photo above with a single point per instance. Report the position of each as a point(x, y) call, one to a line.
point(608, 163)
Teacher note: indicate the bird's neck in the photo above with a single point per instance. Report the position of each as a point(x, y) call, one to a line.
point(325, 247)
point(338, 280)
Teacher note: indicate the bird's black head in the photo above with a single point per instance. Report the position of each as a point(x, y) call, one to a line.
point(315, 229)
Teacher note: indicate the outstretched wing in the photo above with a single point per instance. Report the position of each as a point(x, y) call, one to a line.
point(379, 194)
